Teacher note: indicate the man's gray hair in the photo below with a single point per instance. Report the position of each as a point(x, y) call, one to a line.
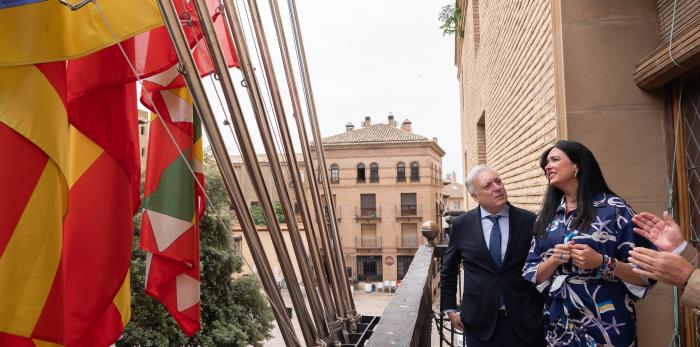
point(472, 173)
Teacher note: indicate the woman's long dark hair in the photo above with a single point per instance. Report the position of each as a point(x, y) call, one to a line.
point(590, 181)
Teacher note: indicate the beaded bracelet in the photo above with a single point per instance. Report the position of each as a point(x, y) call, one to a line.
point(603, 266)
point(609, 274)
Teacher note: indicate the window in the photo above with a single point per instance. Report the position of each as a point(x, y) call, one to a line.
point(143, 152)
point(415, 176)
point(409, 235)
point(369, 268)
point(360, 172)
point(335, 173)
point(373, 172)
point(481, 139)
point(408, 204)
point(143, 129)
point(368, 205)
point(368, 238)
point(403, 262)
point(237, 250)
point(400, 172)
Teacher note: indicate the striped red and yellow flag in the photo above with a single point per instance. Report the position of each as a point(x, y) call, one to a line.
point(68, 202)
point(34, 137)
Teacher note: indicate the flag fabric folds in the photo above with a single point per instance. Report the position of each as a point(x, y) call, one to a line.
point(68, 125)
point(173, 201)
point(173, 205)
point(35, 31)
point(66, 229)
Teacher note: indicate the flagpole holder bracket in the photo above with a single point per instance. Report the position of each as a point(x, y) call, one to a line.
point(76, 6)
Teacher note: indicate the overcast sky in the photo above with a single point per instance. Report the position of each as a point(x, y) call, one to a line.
point(372, 57)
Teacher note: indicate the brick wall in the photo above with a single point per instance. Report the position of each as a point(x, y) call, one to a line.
point(510, 80)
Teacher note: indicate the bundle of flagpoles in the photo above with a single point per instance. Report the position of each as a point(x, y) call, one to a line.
point(73, 158)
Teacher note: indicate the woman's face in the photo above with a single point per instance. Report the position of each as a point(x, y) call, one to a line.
point(560, 170)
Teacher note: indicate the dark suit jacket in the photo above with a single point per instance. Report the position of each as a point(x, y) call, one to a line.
point(482, 278)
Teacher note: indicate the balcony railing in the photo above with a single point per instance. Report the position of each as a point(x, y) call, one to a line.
point(407, 319)
point(368, 243)
point(338, 214)
point(368, 213)
point(404, 244)
point(404, 212)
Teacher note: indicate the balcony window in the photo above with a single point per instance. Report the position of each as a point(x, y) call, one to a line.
point(400, 172)
point(360, 172)
point(368, 205)
point(409, 235)
point(335, 173)
point(415, 176)
point(368, 238)
point(373, 172)
point(408, 204)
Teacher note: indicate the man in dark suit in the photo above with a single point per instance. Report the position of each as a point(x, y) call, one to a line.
point(499, 308)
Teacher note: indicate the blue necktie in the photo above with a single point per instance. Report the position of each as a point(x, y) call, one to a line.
point(495, 240)
point(495, 249)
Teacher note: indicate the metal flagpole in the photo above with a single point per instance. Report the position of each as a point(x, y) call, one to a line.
point(253, 167)
point(294, 169)
point(337, 253)
point(224, 162)
point(342, 305)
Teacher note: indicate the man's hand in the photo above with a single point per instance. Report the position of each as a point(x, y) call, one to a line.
point(456, 320)
point(666, 267)
point(585, 257)
point(664, 233)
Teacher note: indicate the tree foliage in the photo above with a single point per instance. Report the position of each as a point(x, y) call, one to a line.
point(259, 219)
point(450, 17)
point(234, 311)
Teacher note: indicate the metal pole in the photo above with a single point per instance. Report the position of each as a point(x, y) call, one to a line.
point(341, 305)
point(253, 167)
point(224, 162)
point(292, 162)
point(318, 140)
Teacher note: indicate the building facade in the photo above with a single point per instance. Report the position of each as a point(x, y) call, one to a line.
point(385, 180)
point(606, 74)
point(453, 194)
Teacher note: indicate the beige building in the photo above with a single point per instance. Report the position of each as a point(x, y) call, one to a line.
point(143, 137)
point(453, 194)
point(605, 73)
point(386, 181)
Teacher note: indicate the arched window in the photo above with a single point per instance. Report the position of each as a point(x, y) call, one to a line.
point(335, 173)
point(374, 172)
point(360, 172)
point(415, 175)
point(400, 172)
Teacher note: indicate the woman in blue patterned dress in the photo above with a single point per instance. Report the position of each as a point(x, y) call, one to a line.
point(578, 257)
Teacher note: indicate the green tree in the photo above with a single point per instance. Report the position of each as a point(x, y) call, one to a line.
point(450, 16)
point(234, 312)
point(257, 214)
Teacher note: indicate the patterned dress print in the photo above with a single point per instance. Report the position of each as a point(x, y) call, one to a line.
point(581, 308)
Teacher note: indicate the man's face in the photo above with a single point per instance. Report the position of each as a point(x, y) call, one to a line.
point(489, 191)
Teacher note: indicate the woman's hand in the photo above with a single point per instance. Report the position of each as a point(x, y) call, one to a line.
point(562, 253)
point(585, 257)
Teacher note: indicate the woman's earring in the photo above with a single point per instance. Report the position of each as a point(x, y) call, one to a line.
point(576, 172)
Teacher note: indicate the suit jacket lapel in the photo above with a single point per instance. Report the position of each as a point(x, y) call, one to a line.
point(513, 232)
